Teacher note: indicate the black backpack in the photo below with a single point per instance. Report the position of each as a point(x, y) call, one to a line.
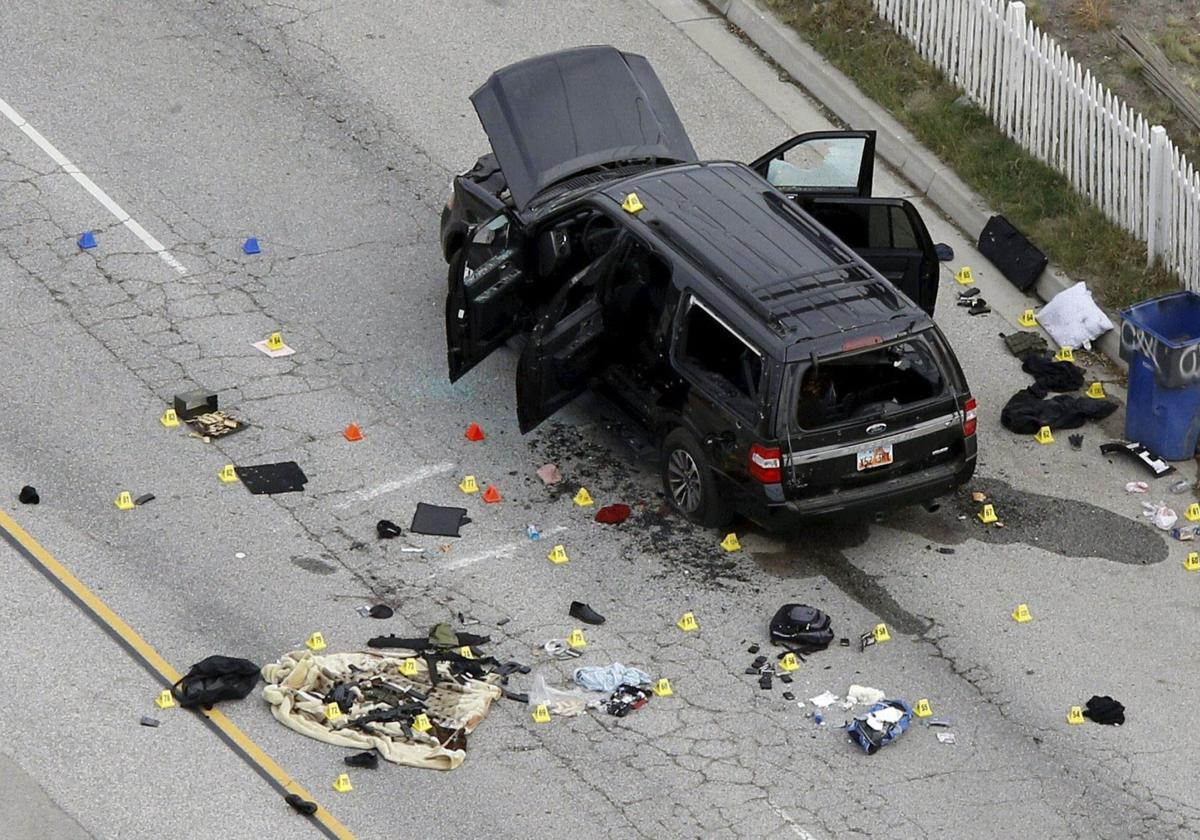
point(802, 627)
point(214, 679)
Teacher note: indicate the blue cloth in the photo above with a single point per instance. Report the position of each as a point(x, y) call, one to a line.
point(606, 679)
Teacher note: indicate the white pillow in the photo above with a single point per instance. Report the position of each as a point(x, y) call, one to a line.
point(1072, 318)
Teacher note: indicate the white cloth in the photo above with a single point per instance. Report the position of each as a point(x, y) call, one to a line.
point(823, 701)
point(1072, 317)
point(864, 695)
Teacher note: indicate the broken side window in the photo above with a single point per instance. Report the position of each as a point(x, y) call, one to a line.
point(489, 241)
point(871, 383)
point(725, 360)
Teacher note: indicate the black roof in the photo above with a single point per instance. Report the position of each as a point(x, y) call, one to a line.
point(762, 251)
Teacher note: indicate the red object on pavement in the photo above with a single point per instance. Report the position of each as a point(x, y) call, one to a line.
point(491, 495)
point(353, 433)
point(475, 432)
point(613, 514)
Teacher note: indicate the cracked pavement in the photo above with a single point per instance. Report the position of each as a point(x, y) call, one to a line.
point(331, 134)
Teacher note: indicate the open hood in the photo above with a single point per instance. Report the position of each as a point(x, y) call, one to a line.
point(551, 117)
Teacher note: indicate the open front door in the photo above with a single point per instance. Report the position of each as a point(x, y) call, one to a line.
point(565, 348)
point(890, 235)
point(821, 163)
point(483, 306)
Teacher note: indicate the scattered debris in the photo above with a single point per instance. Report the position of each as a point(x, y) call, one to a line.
point(979, 497)
point(556, 700)
point(268, 479)
point(387, 529)
point(1076, 441)
point(214, 424)
point(28, 496)
point(381, 611)
point(533, 532)
point(1181, 486)
point(559, 649)
point(885, 722)
point(549, 474)
point(142, 499)
point(1157, 466)
point(1162, 516)
point(626, 699)
point(945, 737)
point(943, 252)
point(149, 721)
point(1136, 487)
point(862, 695)
point(438, 521)
point(584, 613)
point(824, 700)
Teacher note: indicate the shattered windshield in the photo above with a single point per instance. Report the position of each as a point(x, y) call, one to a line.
point(871, 383)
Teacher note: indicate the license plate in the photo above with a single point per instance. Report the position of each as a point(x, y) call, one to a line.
point(876, 456)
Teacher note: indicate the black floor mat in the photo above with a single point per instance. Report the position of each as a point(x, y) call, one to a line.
point(438, 521)
point(286, 477)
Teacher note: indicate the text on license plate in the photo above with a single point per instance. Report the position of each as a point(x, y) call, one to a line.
point(876, 456)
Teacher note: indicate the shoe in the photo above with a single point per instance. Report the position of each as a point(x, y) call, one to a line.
point(387, 529)
point(301, 805)
point(368, 760)
point(980, 307)
point(968, 293)
point(585, 613)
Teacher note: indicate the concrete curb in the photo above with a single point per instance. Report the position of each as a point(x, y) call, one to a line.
point(898, 148)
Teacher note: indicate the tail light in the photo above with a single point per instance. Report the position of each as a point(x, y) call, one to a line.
point(969, 417)
point(766, 463)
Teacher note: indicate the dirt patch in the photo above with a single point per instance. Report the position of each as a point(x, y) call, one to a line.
point(1085, 29)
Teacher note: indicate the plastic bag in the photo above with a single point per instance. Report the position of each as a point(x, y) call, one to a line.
point(560, 702)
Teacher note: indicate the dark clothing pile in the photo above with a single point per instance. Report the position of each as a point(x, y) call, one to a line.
point(627, 698)
point(1105, 710)
point(1053, 375)
point(214, 679)
point(1029, 410)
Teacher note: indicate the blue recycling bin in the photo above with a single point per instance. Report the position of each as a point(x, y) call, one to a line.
point(1160, 340)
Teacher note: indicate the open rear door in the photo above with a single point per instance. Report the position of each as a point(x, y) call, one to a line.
point(890, 235)
point(483, 305)
point(821, 163)
point(565, 349)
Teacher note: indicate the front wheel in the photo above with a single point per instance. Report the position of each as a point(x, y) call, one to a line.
point(689, 481)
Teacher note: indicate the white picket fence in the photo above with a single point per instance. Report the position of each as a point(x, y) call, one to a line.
point(1042, 99)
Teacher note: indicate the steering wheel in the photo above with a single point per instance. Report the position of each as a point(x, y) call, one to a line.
point(597, 235)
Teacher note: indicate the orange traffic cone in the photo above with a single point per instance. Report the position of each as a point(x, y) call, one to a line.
point(475, 432)
point(491, 495)
point(353, 433)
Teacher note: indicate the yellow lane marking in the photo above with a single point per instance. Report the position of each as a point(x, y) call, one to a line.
point(250, 752)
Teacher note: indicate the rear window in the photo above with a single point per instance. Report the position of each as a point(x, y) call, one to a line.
point(869, 383)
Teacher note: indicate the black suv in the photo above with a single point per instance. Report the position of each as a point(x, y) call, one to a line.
point(789, 366)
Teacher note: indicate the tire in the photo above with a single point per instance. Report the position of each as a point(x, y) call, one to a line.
point(689, 482)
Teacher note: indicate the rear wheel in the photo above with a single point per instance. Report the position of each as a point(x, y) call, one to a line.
point(689, 481)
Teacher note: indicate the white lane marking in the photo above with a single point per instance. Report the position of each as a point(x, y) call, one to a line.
point(399, 484)
point(794, 826)
point(88, 184)
point(502, 552)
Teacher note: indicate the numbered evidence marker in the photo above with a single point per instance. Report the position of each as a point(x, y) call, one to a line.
point(687, 622)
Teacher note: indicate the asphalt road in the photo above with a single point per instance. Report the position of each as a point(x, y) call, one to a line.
point(331, 134)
